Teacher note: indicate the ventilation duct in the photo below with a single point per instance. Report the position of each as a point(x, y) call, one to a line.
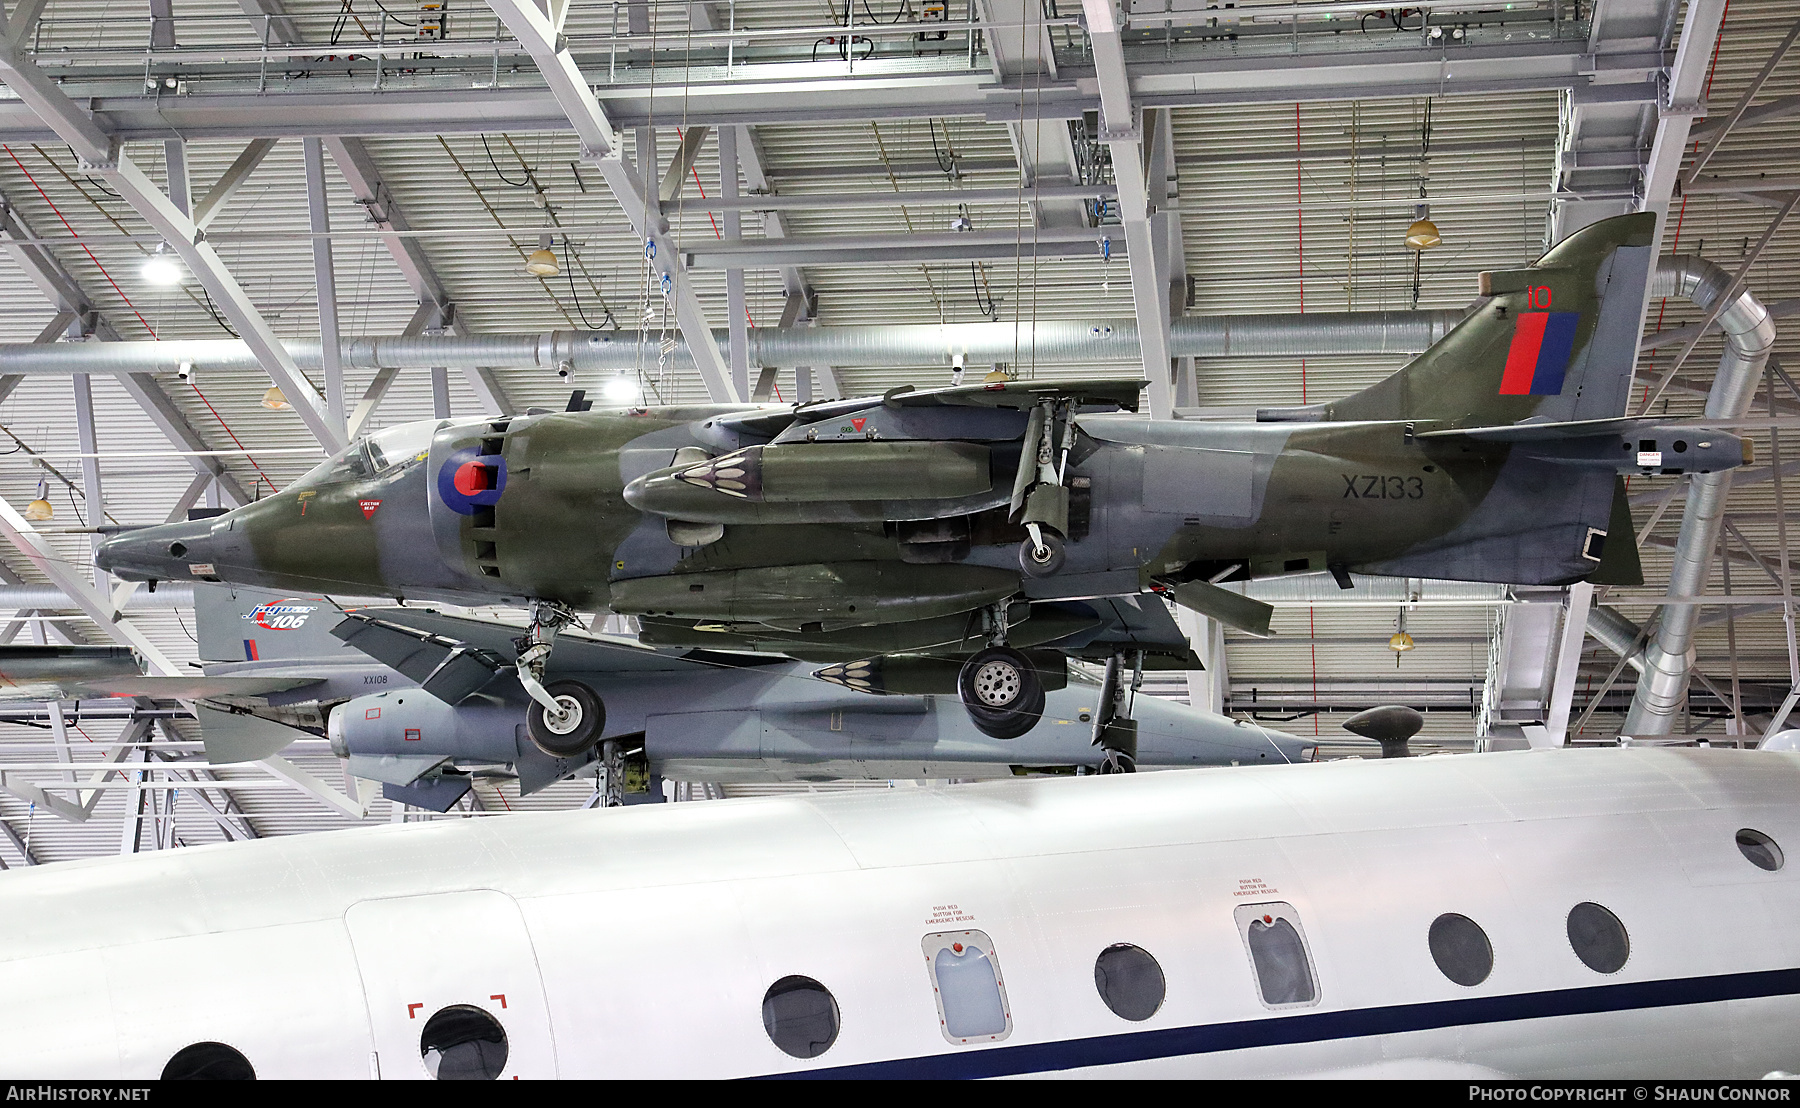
point(46, 598)
point(1615, 631)
point(1749, 333)
point(977, 344)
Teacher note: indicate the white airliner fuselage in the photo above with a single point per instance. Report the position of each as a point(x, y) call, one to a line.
point(1610, 913)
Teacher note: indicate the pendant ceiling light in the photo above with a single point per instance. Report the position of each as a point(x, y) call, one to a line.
point(40, 509)
point(161, 268)
point(1400, 642)
point(542, 261)
point(621, 390)
point(275, 400)
point(1423, 234)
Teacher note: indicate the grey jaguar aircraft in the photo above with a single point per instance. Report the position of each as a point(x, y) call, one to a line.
point(717, 716)
point(973, 524)
point(389, 686)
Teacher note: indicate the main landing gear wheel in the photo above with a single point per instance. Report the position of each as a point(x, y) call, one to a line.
point(1002, 692)
point(1041, 559)
point(584, 718)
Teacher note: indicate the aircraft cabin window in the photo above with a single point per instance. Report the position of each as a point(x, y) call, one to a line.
point(968, 986)
point(1759, 849)
point(1129, 981)
point(463, 1043)
point(1598, 937)
point(208, 1062)
point(1278, 954)
point(1460, 948)
point(801, 1016)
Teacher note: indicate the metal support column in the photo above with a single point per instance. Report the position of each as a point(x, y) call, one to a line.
point(88, 444)
point(736, 309)
point(1123, 128)
point(632, 187)
point(1568, 662)
point(325, 279)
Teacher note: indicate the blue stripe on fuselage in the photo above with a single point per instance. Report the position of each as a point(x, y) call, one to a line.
point(1313, 1027)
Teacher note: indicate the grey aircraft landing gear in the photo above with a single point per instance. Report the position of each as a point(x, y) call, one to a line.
point(1002, 691)
point(1042, 554)
point(612, 773)
point(567, 718)
point(1040, 500)
point(999, 687)
point(1115, 732)
point(575, 728)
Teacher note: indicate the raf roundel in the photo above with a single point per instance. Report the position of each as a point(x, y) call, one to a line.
point(468, 480)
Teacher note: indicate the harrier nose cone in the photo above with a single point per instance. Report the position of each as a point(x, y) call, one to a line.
point(174, 551)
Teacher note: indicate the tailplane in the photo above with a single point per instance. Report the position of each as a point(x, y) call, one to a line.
point(1552, 342)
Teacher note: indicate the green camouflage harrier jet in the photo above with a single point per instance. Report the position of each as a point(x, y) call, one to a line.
point(970, 538)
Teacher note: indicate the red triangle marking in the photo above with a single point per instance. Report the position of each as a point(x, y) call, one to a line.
point(369, 506)
point(858, 422)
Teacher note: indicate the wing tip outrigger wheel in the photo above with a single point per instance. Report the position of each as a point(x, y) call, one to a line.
point(577, 728)
point(1042, 554)
point(1002, 692)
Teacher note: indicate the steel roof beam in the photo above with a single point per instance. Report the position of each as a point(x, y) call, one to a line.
point(64, 576)
point(753, 97)
point(359, 170)
point(1779, 108)
point(101, 155)
point(1717, 135)
point(231, 180)
point(675, 177)
point(271, 20)
point(18, 843)
point(62, 290)
point(737, 308)
point(751, 162)
point(1679, 105)
point(357, 166)
point(324, 281)
point(40, 265)
point(600, 146)
point(1122, 128)
point(875, 250)
point(232, 299)
point(1023, 56)
point(22, 23)
point(91, 490)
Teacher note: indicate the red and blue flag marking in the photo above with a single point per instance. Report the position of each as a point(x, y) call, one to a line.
point(1541, 346)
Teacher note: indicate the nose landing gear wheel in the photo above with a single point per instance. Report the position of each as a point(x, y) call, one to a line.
point(1002, 692)
point(1117, 761)
point(579, 728)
